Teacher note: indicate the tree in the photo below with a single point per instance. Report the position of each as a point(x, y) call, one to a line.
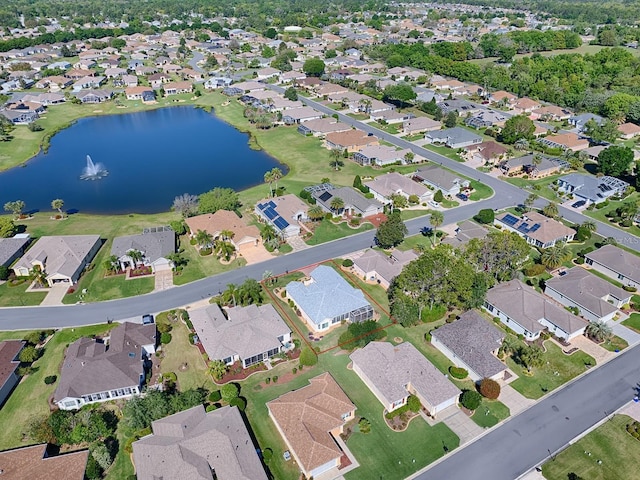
point(271, 33)
point(615, 160)
point(291, 94)
point(489, 388)
point(211, 62)
point(313, 67)
point(224, 249)
point(111, 264)
point(499, 254)
point(436, 219)
point(589, 225)
point(267, 232)
point(186, 205)
point(16, 207)
point(364, 426)
point(219, 199)
point(598, 331)
point(203, 239)
point(337, 204)
point(550, 210)
point(38, 276)
point(57, 204)
point(268, 178)
point(485, 216)
point(229, 391)
point(437, 115)
point(607, 131)
point(530, 356)
point(530, 200)
point(516, 128)
point(315, 213)
point(438, 197)
point(178, 226)
point(555, 256)
point(451, 119)
point(217, 368)
point(470, 399)
point(7, 227)
point(276, 174)
point(308, 357)
point(399, 201)
point(401, 93)
point(102, 456)
point(336, 159)
point(392, 231)
point(29, 354)
point(521, 144)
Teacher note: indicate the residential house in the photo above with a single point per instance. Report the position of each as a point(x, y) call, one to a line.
point(380, 155)
point(351, 140)
point(38, 462)
point(456, 137)
point(595, 298)
point(591, 189)
point(62, 258)
point(385, 186)
point(154, 246)
point(486, 152)
point(552, 113)
point(322, 126)
point(94, 96)
point(439, 178)
point(250, 86)
point(9, 363)
point(464, 232)
point(217, 82)
point(503, 98)
point(615, 263)
point(87, 83)
point(565, 141)
point(445, 84)
point(195, 444)
point(309, 420)
point(486, 119)
point(12, 248)
point(355, 203)
point(420, 125)
point(376, 266)
point(244, 236)
point(283, 213)
point(20, 117)
point(300, 115)
point(472, 343)
point(534, 165)
point(580, 121)
point(248, 335)
point(158, 79)
point(140, 93)
point(327, 89)
point(325, 299)
point(292, 77)
point(628, 130)
point(528, 313)
point(267, 73)
point(460, 106)
point(129, 80)
point(101, 370)
point(535, 228)
point(175, 88)
point(525, 105)
point(391, 116)
point(115, 72)
point(393, 372)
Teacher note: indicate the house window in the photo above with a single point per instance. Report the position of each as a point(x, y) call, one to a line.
point(70, 404)
point(490, 307)
point(127, 391)
point(345, 416)
point(589, 261)
point(324, 325)
point(272, 352)
point(227, 360)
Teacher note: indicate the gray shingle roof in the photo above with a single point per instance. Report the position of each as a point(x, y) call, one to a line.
point(473, 339)
point(386, 267)
point(193, 445)
point(616, 259)
point(9, 247)
point(391, 367)
point(328, 295)
point(153, 245)
point(350, 197)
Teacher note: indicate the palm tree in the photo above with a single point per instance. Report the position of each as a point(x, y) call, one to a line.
point(229, 295)
point(315, 213)
point(589, 225)
point(217, 368)
point(537, 159)
point(267, 277)
point(509, 346)
point(225, 249)
point(268, 232)
point(530, 356)
point(38, 276)
point(268, 178)
point(227, 235)
point(111, 264)
point(550, 210)
point(436, 219)
point(204, 239)
point(276, 174)
point(530, 200)
point(555, 256)
point(336, 159)
point(57, 204)
point(336, 204)
point(136, 256)
point(521, 144)
point(598, 331)
point(272, 243)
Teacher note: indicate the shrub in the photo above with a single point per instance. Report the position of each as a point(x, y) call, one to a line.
point(29, 354)
point(438, 197)
point(229, 391)
point(50, 379)
point(267, 455)
point(215, 396)
point(629, 288)
point(534, 270)
point(347, 262)
point(171, 376)
point(4, 272)
point(485, 216)
point(294, 370)
point(308, 357)
point(275, 379)
point(470, 399)
point(267, 380)
point(579, 261)
point(489, 388)
point(283, 293)
point(192, 338)
point(452, 317)
point(205, 251)
point(192, 241)
point(239, 402)
point(457, 372)
point(165, 338)
point(211, 408)
point(364, 426)
point(414, 403)
point(626, 223)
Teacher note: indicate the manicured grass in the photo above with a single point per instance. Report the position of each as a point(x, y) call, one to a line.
point(392, 128)
point(610, 443)
point(327, 231)
point(200, 267)
point(446, 203)
point(633, 322)
point(599, 214)
point(178, 353)
point(539, 187)
point(544, 379)
point(17, 296)
point(615, 343)
point(490, 413)
point(409, 214)
point(445, 151)
point(414, 137)
point(413, 241)
point(359, 116)
point(480, 191)
point(30, 397)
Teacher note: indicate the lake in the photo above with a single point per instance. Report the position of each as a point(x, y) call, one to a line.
point(151, 157)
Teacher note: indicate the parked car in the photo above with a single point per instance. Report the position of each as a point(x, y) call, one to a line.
point(147, 319)
point(433, 204)
point(462, 197)
point(578, 204)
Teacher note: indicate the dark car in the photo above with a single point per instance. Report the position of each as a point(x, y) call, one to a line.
point(147, 319)
point(579, 204)
point(462, 197)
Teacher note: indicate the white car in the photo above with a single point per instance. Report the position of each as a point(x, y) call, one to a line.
point(433, 204)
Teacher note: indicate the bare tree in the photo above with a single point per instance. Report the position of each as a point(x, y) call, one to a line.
point(186, 205)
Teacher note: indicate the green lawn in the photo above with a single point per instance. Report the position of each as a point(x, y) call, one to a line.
point(480, 191)
point(392, 128)
point(445, 151)
point(543, 379)
point(414, 137)
point(615, 343)
point(409, 214)
point(17, 296)
point(30, 397)
point(633, 322)
point(490, 413)
point(599, 214)
point(610, 443)
point(359, 116)
point(327, 231)
point(200, 267)
point(539, 187)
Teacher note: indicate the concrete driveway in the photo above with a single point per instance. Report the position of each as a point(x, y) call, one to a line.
point(465, 428)
point(255, 254)
point(600, 354)
point(514, 400)
point(56, 294)
point(163, 279)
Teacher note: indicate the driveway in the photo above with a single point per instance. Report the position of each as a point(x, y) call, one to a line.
point(255, 254)
point(56, 294)
point(514, 400)
point(462, 426)
point(297, 243)
point(600, 354)
point(163, 279)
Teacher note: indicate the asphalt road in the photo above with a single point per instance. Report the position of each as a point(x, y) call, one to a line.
point(535, 435)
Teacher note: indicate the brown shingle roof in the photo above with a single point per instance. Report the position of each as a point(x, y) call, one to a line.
point(214, 223)
point(307, 415)
point(32, 463)
point(351, 138)
point(9, 350)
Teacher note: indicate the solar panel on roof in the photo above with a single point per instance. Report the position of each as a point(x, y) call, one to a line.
point(535, 227)
point(272, 205)
point(281, 223)
point(261, 206)
point(510, 219)
point(270, 213)
point(325, 196)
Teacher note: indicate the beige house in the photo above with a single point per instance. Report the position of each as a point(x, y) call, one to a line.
point(376, 266)
point(309, 420)
point(535, 228)
point(61, 258)
point(351, 140)
point(566, 141)
point(628, 130)
point(616, 263)
point(393, 372)
point(245, 237)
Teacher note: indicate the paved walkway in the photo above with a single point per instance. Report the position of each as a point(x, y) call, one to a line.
point(163, 279)
point(56, 294)
point(600, 354)
point(514, 400)
point(632, 409)
point(465, 428)
point(297, 243)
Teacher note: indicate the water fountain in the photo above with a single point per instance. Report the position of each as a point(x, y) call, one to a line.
point(93, 171)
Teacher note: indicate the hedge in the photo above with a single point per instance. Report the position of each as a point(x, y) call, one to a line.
point(459, 373)
point(165, 338)
point(50, 379)
point(239, 402)
point(489, 388)
point(470, 399)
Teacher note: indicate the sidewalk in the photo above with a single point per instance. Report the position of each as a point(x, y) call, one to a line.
point(514, 400)
point(454, 418)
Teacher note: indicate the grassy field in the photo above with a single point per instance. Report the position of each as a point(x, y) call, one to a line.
point(556, 370)
point(16, 296)
point(30, 398)
point(200, 267)
point(633, 322)
point(600, 214)
point(327, 231)
point(618, 452)
point(490, 413)
point(539, 187)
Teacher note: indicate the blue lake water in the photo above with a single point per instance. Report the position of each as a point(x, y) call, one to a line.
point(151, 157)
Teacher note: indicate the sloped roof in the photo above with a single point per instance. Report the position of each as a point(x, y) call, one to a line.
point(473, 339)
point(9, 350)
point(350, 196)
point(153, 245)
point(617, 260)
point(35, 464)
point(328, 295)
point(393, 182)
point(307, 415)
point(390, 368)
point(214, 223)
point(10, 246)
point(384, 266)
